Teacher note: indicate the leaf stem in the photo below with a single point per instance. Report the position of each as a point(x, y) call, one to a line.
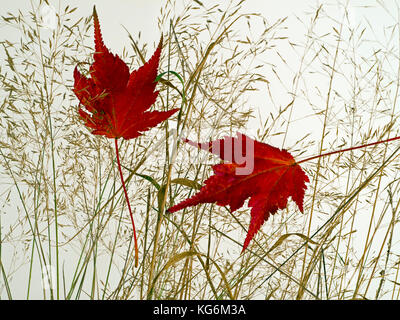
point(347, 149)
point(127, 201)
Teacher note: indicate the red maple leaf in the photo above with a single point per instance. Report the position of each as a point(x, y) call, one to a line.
point(274, 177)
point(116, 100)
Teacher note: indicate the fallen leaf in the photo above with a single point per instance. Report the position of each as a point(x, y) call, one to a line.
point(274, 177)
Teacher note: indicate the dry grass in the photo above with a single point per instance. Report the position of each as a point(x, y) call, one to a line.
point(64, 226)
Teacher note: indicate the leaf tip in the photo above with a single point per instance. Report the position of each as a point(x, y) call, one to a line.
point(161, 42)
point(98, 38)
point(95, 17)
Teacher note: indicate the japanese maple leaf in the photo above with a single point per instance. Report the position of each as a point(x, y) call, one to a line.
point(116, 100)
point(274, 177)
